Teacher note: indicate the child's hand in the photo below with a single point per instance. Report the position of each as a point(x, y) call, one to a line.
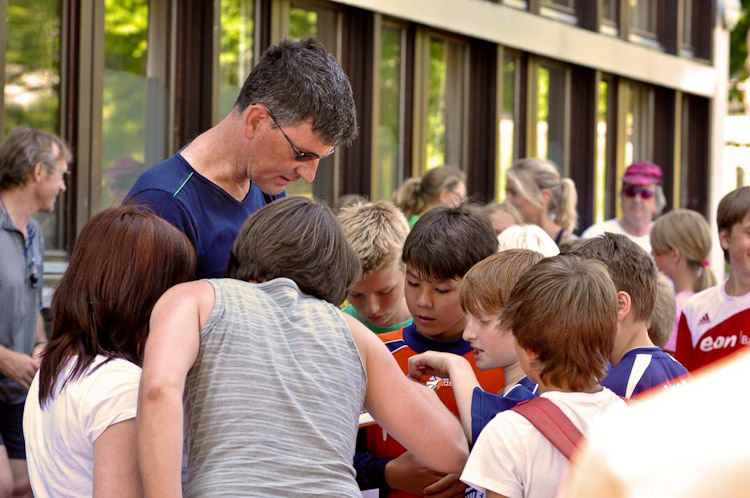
point(430, 364)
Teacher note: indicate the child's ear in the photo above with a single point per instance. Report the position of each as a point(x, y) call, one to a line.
point(544, 196)
point(675, 255)
point(624, 304)
point(724, 238)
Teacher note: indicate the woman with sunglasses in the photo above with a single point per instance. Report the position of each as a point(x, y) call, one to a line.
point(79, 418)
point(642, 200)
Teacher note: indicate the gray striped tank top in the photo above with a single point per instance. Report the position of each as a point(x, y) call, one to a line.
point(273, 400)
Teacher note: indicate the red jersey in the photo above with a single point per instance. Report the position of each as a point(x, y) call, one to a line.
point(713, 325)
point(405, 343)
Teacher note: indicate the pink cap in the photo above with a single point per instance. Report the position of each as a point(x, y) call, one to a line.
point(642, 173)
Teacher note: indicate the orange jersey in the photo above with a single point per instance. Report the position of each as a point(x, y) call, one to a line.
point(405, 343)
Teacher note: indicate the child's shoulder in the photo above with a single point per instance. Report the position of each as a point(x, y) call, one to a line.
point(641, 369)
point(713, 305)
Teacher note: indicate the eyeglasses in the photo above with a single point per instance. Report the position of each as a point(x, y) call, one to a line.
point(299, 155)
point(643, 192)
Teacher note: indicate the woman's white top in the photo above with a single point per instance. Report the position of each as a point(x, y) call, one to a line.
point(60, 438)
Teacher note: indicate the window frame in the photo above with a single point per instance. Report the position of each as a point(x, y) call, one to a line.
point(420, 101)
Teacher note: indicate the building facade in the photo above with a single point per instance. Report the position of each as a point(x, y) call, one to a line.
point(591, 84)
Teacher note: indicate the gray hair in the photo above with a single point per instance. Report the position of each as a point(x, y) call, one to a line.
point(23, 149)
point(300, 80)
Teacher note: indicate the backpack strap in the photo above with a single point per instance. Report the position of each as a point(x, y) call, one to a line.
point(550, 420)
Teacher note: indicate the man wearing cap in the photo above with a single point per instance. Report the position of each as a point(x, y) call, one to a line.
point(33, 168)
point(294, 108)
point(642, 200)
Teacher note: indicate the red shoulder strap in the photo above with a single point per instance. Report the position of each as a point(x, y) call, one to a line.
point(552, 423)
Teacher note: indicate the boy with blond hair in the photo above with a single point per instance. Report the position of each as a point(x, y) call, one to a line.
point(714, 322)
point(442, 246)
point(563, 316)
point(638, 365)
point(377, 231)
point(483, 295)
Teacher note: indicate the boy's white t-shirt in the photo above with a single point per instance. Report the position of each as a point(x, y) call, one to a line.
point(512, 458)
point(60, 438)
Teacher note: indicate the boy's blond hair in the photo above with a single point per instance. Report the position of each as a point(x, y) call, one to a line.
point(488, 283)
point(662, 319)
point(564, 309)
point(376, 231)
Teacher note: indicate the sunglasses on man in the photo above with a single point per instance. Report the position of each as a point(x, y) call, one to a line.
point(645, 193)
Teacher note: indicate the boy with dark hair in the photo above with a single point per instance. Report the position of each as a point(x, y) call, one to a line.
point(483, 295)
point(442, 246)
point(714, 322)
point(638, 364)
point(563, 316)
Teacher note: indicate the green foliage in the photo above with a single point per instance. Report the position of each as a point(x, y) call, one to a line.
point(32, 65)
point(543, 92)
point(738, 44)
point(237, 45)
point(302, 23)
point(125, 93)
point(390, 100)
point(435, 146)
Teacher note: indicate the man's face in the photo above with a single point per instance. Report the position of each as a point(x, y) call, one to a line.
point(273, 165)
point(50, 185)
point(639, 204)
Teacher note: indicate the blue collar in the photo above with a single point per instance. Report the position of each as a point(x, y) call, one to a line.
point(420, 343)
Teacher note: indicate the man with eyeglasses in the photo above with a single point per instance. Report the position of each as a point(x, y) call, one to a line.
point(33, 170)
point(294, 108)
point(642, 200)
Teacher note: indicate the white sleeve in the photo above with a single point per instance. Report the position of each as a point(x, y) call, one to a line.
point(496, 462)
point(111, 398)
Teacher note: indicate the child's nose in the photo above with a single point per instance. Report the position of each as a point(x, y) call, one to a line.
point(372, 305)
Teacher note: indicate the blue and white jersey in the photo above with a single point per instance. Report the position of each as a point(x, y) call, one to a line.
point(640, 369)
point(484, 405)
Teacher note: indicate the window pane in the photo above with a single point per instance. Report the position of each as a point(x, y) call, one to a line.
point(508, 123)
point(568, 4)
point(133, 101)
point(638, 124)
point(237, 45)
point(445, 110)
point(550, 128)
point(609, 10)
point(389, 170)
point(644, 16)
point(312, 21)
point(601, 193)
point(32, 82)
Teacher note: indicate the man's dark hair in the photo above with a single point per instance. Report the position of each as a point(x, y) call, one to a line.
point(300, 80)
point(447, 241)
point(300, 239)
